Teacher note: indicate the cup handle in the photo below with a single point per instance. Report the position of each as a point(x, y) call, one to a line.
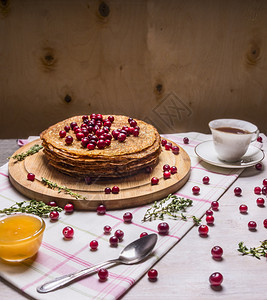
point(256, 135)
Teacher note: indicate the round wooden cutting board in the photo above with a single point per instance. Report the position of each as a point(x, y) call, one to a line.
point(134, 190)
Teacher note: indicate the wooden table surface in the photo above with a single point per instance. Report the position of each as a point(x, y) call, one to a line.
point(184, 271)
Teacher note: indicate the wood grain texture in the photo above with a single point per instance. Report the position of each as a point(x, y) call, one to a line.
point(134, 190)
point(174, 64)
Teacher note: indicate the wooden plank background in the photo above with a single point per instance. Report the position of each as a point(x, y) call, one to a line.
point(176, 64)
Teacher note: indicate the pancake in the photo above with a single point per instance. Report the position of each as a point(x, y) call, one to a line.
point(115, 159)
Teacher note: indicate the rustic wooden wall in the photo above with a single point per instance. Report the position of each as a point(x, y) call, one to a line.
point(175, 63)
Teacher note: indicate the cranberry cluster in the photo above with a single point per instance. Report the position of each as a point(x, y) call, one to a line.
point(168, 146)
point(168, 171)
point(121, 134)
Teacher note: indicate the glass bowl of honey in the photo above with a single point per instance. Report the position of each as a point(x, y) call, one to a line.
point(20, 236)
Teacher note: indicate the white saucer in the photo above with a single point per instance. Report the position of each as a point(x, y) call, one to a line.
point(206, 152)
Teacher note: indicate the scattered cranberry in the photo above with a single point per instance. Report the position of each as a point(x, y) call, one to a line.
point(175, 150)
point(265, 223)
point(258, 166)
point(107, 190)
point(52, 203)
point(163, 142)
point(143, 234)
point(203, 230)
point(69, 140)
point(163, 228)
point(259, 139)
point(260, 202)
point(205, 180)
point(173, 170)
point(115, 190)
point(54, 215)
point(237, 191)
point(62, 133)
point(31, 176)
point(101, 209)
point(103, 274)
point(243, 208)
point(217, 252)
point(210, 219)
point(113, 241)
point(257, 190)
point(186, 140)
point(166, 174)
point(252, 225)
point(152, 274)
point(168, 146)
point(166, 167)
point(154, 180)
point(93, 244)
point(107, 229)
point(264, 190)
point(69, 208)
point(195, 190)
point(214, 205)
point(68, 232)
point(216, 279)
point(209, 212)
point(264, 182)
point(127, 217)
point(119, 234)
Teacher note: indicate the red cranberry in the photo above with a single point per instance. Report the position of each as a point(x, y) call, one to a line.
point(143, 234)
point(73, 124)
point(85, 132)
point(113, 241)
point(107, 123)
point(173, 170)
point(166, 167)
point(107, 142)
point(111, 119)
point(84, 117)
point(119, 234)
point(166, 174)
point(168, 146)
point(107, 229)
point(152, 274)
point(115, 190)
point(243, 209)
point(163, 228)
point(205, 180)
point(131, 130)
point(195, 190)
point(77, 129)
point(101, 144)
point(214, 205)
point(52, 203)
point(237, 191)
point(115, 134)
point(93, 244)
point(85, 142)
point(186, 140)
point(67, 128)
point(217, 252)
point(69, 140)
point(108, 136)
point(259, 139)
point(127, 217)
point(265, 223)
point(103, 274)
point(264, 190)
point(62, 133)
point(216, 279)
point(135, 132)
point(260, 202)
point(68, 232)
point(257, 190)
point(252, 225)
point(154, 180)
point(69, 208)
point(101, 209)
point(93, 116)
point(107, 190)
point(99, 117)
point(210, 219)
point(129, 120)
point(203, 230)
point(90, 146)
point(121, 137)
point(79, 136)
point(209, 212)
point(54, 215)
point(163, 142)
point(258, 166)
point(175, 150)
point(133, 123)
point(31, 176)
point(264, 182)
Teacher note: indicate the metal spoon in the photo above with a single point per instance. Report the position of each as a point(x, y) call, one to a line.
point(131, 254)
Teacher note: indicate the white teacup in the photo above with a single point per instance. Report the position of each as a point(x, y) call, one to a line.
point(231, 138)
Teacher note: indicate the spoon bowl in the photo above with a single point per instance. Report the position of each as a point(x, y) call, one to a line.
point(133, 253)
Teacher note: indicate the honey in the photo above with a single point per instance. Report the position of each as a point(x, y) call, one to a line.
point(20, 236)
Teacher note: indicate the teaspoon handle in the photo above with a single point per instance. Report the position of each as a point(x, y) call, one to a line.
point(53, 284)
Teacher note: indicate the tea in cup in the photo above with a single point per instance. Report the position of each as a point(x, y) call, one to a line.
point(231, 138)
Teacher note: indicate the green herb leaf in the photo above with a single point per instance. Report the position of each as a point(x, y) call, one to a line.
point(34, 149)
point(254, 251)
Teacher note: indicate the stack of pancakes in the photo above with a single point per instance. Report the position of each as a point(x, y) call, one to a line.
point(117, 160)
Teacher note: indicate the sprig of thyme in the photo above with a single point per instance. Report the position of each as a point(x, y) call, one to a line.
point(34, 149)
point(53, 185)
point(170, 206)
point(38, 208)
point(254, 251)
